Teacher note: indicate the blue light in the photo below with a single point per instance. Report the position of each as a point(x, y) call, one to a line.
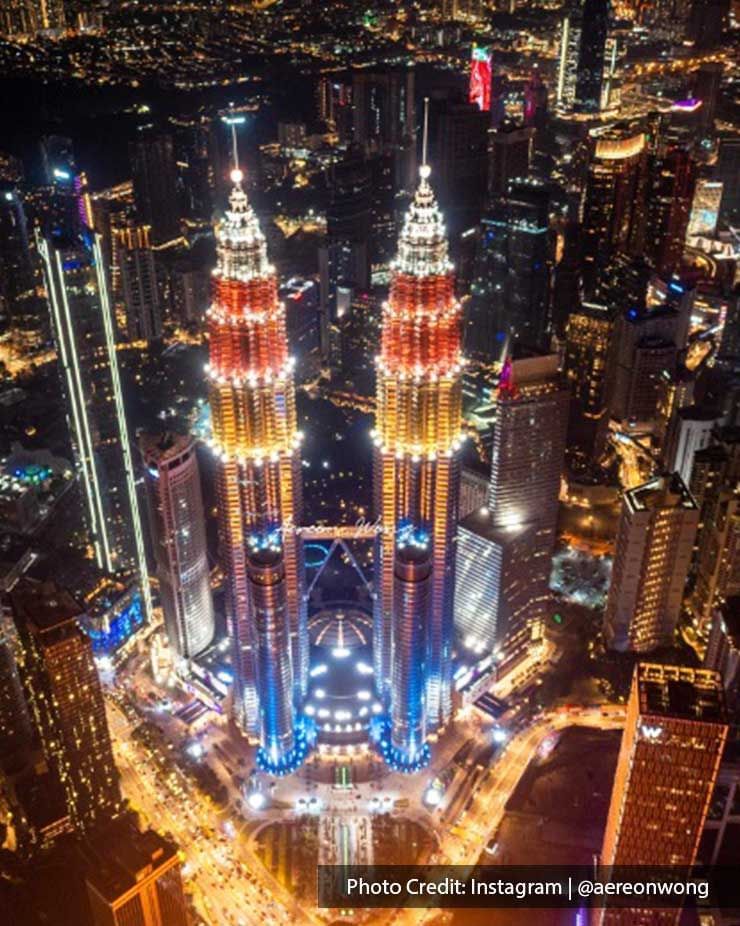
point(121, 628)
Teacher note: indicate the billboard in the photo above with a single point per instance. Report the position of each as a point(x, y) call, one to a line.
point(480, 78)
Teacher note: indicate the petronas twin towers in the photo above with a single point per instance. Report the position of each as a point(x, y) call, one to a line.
point(257, 445)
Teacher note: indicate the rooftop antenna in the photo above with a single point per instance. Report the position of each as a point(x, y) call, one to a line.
point(425, 169)
point(233, 120)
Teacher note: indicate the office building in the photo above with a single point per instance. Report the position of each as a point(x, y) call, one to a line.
point(66, 701)
point(384, 120)
point(587, 342)
point(727, 172)
point(647, 344)
point(667, 768)
point(458, 145)
point(671, 176)
point(613, 208)
point(582, 45)
point(344, 257)
point(504, 549)
point(133, 878)
point(510, 155)
point(417, 438)
point(135, 263)
point(510, 295)
point(155, 184)
point(716, 571)
point(723, 646)
point(83, 326)
point(655, 539)
point(16, 272)
point(15, 722)
point(178, 534)
point(258, 485)
point(690, 430)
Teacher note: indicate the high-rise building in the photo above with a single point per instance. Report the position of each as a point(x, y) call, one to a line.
point(587, 341)
point(704, 208)
point(613, 210)
point(344, 258)
point(647, 342)
point(716, 481)
point(16, 272)
point(504, 550)
point(384, 121)
point(15, 723)
point(727, 172)
point(668, 763)
point(510, 294)
point(690, 430)
point(133, 878)
point(178, 533)
point(83, 326)
point(458, 145)
point(510, 154)
point(583, 34)
point(256, 442)
point(723, 646)
point(417, 437)
point(66, 700)
point(155, 184)
point(655, 539)
point(669, 192)
point(135, 262)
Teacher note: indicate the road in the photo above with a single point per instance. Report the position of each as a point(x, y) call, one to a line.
point(229, 884)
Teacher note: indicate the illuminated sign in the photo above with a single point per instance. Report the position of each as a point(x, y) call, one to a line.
point(480, 78)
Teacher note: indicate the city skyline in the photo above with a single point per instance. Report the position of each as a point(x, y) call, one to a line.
point(369, 470)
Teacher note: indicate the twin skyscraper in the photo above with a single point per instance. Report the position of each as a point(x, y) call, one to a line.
point(257, 445)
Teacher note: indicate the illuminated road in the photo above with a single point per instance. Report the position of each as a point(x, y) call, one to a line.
point(463, 841)
point(229, 884)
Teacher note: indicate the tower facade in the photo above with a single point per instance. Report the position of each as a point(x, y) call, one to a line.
point(654, 545)
point(82, 321)
point(66, 701)
point(178, 532)
point(256, 441)
point(417, 438)
point(668, 762)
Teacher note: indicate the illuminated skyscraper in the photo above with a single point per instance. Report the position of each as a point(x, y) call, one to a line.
point(583, 35)
point(654, 543)
point(155, 184)
point(178, 531)
point(613, 213)
point(417, 437)
point(66, 700)
point(16, 272)
point(256, 443)
point(668, 762)
point(586, 350)
point(135, 261)
point(504, 549)
point(84, 332)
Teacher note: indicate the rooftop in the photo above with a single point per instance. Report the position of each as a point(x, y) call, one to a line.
point(44, 606)
point(681, 693)
point(121, 856)
point(666, 491)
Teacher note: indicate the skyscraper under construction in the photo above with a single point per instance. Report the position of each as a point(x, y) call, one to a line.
point(417, 438)
point(256, 441)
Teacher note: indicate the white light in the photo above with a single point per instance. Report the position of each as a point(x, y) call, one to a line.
point(195, 750)
point(363, 668)
point(340, 652)
point(320, 693)
point(499, 735)
point(318, 670)
point(363, 696)
point(256, 800)
point(432, 796)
